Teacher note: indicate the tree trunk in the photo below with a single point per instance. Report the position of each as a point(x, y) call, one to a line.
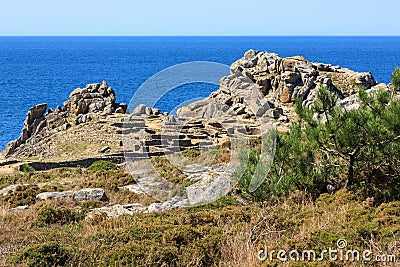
point(350, 171)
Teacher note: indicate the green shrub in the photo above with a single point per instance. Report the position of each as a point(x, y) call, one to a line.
point(191, 153)
point(102, 165)
point(23, 195)
point(290, 170)
point(249, 162)
point(47, 254)
point(47, 215)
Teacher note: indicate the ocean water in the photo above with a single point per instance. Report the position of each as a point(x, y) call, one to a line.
point(46, 69)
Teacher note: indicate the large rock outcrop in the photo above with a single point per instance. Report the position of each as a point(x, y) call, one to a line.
point(34, 123)
point(278, 80)
point(94, 98)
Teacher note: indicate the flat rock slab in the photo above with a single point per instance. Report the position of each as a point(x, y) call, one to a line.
point(175, 202)
point(129, 209)
point(18, 209)
point(89, 194)
point(55, 195)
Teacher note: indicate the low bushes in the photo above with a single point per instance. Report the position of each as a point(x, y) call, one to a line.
point(102, 165)
point(43, 255)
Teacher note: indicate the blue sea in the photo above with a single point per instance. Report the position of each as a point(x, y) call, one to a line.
point(46, 69)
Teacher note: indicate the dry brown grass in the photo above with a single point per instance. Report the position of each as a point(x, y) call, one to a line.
point(237, 251)
point(230, 234)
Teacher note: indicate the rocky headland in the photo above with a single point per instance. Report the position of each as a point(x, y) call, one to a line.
point(93, 111)
point(95, 183)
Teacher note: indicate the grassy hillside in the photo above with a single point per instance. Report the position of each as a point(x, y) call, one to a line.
point(219, 234)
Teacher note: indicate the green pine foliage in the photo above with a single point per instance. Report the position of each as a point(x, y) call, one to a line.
point(396, 78)
point(47, 254)
point(357, 148)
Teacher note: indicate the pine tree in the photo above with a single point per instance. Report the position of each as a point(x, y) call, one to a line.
point(363, 144)
point(330, 148)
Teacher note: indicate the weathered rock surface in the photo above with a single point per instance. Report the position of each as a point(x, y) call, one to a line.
point(129, 209)
point(134, 188)
point(279, 80)
point(144, 110)
point(260, 84)
point(18, 209)
point(84, 105)
point(89, 194)
point(65, 195)
point(208, 180)
point(34, 123)
point(92, 99)
point(353, 102)
point(175, 202)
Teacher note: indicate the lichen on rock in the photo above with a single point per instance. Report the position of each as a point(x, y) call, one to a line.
point(280, 80)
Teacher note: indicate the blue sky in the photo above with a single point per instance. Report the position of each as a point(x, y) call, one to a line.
point(205, 17)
